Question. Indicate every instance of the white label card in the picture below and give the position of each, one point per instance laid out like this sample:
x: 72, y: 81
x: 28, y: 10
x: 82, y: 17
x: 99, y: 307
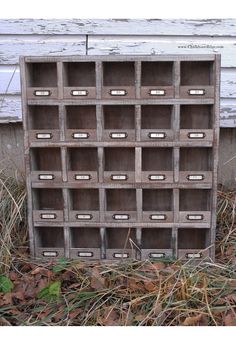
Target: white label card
x: 80, y: 135
x: 158, y: 217
x: 50, y: 253
x: 195, y: 177
x: 156, y: 255
x: 157, y: 177
x: 156, y: 135
x: 195, y: 217
x: 79, y: 92
x: 118, y: 92
x: 196, y: 92
x: 196, y: 135
x: 84, y: 216
x: 119, y: 177
x: 194, y: 255
x: 85, y: 254
x: 121, y: 216
x: 120, y: 255
x: 82, y: 176
x: 118, y: 135
x: 157, y: 92
x: 42, y: 93
x: 43, y: 136
x: 48, y: 216
x: 46, y: 176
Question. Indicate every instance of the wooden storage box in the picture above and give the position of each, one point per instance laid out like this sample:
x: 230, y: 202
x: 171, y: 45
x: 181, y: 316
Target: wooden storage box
x: 121, y: 155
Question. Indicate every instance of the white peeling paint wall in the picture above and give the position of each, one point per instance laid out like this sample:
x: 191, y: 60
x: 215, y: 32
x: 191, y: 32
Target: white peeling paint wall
x: 98, y: 37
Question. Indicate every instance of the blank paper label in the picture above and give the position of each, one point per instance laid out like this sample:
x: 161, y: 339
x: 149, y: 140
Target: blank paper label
x: 193, y: 256
x: 195, y: 177
x: 50, y: 253
x: 118, y: 135
x: 118, y: 92
x: 85, y: 254
x: 120, y: 255
x: 195, y: 217
x: 42, y: 93
x: 80, y: 135
x: 196, y: 92
x: 84, y: 216
x: 158, y: 217
x: 196, y: 135
x: 121, y: 216
x: 119, y: 177
x: 157, y: 92
x: 48, y: 216
x: 45, y: 136
x: 157, y: 177
x: 46, y: 176
x: 156, y: 255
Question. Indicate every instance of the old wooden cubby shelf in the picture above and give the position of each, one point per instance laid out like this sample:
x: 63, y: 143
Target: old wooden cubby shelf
x: 121, y: 155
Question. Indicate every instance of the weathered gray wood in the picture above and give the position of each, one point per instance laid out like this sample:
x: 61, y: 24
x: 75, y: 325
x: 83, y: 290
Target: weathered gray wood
x: 217, y: 27
x: 12, y: 47
x: 142, y: 45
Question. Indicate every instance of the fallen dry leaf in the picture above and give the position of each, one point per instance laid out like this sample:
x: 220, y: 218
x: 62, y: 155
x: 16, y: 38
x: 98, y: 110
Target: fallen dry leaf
x: 193, y: 320
x: 150, y: 286
x: 97, y: 281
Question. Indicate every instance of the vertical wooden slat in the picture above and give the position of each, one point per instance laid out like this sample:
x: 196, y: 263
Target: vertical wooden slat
x: 99, y: 79
x: 138, y: 122
x: 137, y: 79
x: 176, y: 78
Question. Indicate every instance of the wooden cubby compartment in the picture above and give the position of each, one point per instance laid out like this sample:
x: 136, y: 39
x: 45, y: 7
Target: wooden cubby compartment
x: 49, y: 242
x: 43, y: 123
x: 84, y: 205
x: 85, y: 243
x: 195, y: 205
x: 195, y: 164
x: 193, y: 243
x: 48, y: 205
x: 119, y: 164
x: 82, y: 164
x: 156, y: 243
x: 196, y: 79
x: 42, y: 80
x: 119, y: 123
x: 120, y: 243
x: 158, y: 205
x: 196, y: 122
x: 157, y: 79
x: 121, y: 205
x: 118, y: 80
x: 46, y: 164
x: 81, y: 123
x: 157, y: 123
x: 79, y: 80
x: 157, y: 164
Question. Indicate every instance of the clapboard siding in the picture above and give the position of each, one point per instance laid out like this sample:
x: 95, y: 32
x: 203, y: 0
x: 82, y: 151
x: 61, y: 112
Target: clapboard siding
x: 105, y: 45
x: 11, y: 48
x: 102, y: 37
x: 213, y: 27
x: 10, y: 81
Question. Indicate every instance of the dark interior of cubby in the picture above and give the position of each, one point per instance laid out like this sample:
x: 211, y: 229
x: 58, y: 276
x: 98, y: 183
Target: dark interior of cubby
x: 196, y: 73
x: 84, y: 199
x: 196, y: 116
x: 194, y: 200
x: 83, y: 159
x: 42, y: 74
x: 121, y: 199
x: 119, y: 116
x: 156, y: 238
x: 156, y: 117
x: 157, y: 200
x: 46, y: 199
x: 118, y: 74
x: 43, y: 117
x: 119, y: 238
x: 80, y: 74
x: 119, y: 159
x: 50, y: 237
x: 157, y: 73
x: 192, y: 238
x: 157, y: 159
x: 81, y: 117
x: 46, y: 158
x: 85, y: 238
x: 196, y: 159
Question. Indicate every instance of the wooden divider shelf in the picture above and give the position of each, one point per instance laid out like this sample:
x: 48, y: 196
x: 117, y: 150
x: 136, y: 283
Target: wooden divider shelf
x: 121, y: 155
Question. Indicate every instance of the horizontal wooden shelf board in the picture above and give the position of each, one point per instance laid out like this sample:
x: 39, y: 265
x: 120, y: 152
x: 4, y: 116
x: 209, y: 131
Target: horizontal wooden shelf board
x: 121, y: 225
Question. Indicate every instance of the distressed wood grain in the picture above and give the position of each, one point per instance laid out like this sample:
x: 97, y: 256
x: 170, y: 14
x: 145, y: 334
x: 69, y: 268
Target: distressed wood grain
x: 216, y: 27
x: 10, y: 81
x: 110, y: 45
x: 10, y: 110
x: 11, y: 47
